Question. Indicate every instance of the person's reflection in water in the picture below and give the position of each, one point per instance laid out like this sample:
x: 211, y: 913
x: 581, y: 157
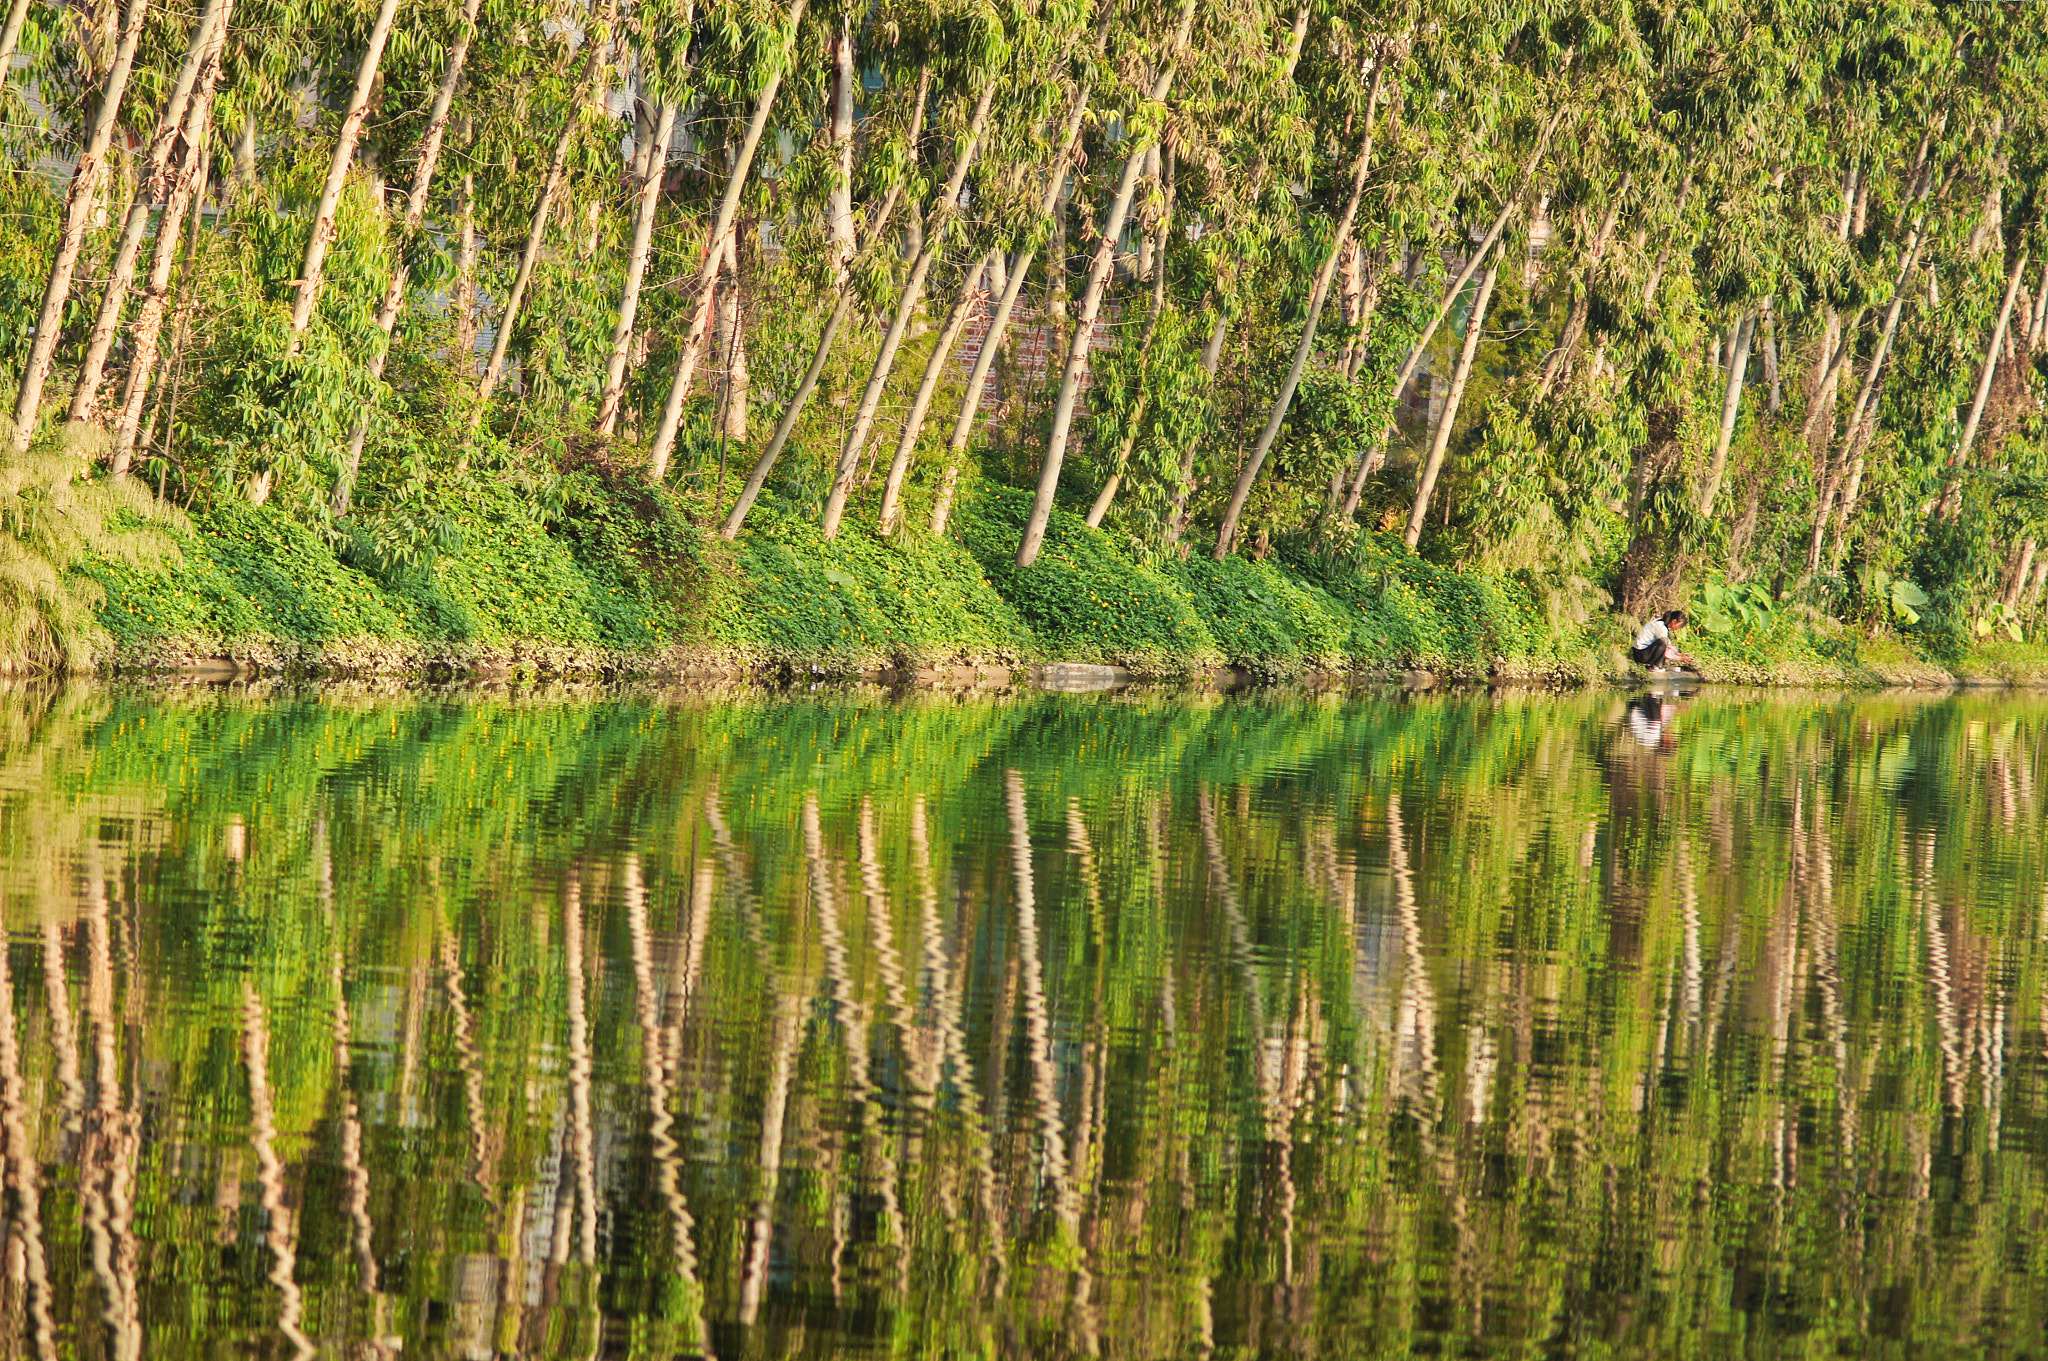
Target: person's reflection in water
x: 1653, y: 721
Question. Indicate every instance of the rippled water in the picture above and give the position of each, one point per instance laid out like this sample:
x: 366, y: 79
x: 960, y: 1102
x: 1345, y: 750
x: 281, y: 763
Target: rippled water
x: 1134, y: 1025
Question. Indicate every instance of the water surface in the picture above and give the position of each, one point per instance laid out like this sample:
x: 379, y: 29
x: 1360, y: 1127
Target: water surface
x: 1140, y: 1025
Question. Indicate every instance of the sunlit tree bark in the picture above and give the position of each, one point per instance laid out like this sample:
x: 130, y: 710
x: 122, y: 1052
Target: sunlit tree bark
x: 1091, y: 304
x: 152, y: 190
x: 415, y: 217
x: 1474, y: 331
x: 312, y: 274
x: 81, y: 202
x: 715, y: 248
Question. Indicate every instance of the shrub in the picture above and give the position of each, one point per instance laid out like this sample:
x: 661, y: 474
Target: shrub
x: 1082, y: 598
x: 1263, y: 618
x: 861, y: 600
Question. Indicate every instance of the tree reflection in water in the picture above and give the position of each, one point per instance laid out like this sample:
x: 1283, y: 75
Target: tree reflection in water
x: 674, y: 1024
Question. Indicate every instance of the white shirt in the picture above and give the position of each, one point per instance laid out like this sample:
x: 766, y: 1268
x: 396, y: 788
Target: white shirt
x: 1652, y: 631
x: 1646, y: 730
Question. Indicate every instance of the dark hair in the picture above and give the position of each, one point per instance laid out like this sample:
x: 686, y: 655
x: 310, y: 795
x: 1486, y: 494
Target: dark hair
x: 1675, y: 618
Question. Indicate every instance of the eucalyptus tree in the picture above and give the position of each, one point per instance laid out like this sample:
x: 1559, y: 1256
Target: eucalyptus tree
x: 10, y: 39
x: 1511, y: 202
x: 186, y: 185
x: 321, y: 236
x: 1319, y: 292
x: 888, y: 517
x: 410, y: 227
x: 1065, y: 146
x: 777, y: 54
x: 81, y: 203
x: 651, y: 167
x: 1237, y: 169
x: 1046, y: 112
x: 1142, y: 134
x: 595, y: 39
x: 1988, y: 369
x: 152, y: 191
x: 895, y: 161
x: 983, y: 71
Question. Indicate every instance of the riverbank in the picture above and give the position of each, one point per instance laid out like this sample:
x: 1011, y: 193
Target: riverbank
x: 604, y: 578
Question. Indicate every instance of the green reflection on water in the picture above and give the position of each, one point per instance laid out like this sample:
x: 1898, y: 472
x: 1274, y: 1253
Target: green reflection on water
x: 1142, y: 1025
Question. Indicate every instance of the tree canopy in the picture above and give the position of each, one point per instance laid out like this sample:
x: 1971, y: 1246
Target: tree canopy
x: 1746, y: 292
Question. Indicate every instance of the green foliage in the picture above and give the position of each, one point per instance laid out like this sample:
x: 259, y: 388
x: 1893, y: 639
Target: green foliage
x: 1772, y: 195
x: 639, y: 538
x: 1896, y: 595
x: 1082, y: 598
x: 1724, y: 608
x: 1999, y: 617
x: 861, y: 601
x: 1408, y: 611
x: 55, y: 528
x: 1264, y: 619
x: 255, y: 576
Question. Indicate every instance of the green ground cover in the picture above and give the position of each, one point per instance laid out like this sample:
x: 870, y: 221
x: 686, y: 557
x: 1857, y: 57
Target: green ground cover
x: 606, y: 573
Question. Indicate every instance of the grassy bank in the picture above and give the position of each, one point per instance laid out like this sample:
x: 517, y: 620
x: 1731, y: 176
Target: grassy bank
x: 601, y: 574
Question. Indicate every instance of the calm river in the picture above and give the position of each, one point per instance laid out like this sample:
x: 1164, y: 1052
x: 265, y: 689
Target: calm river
x: 645, y: 1024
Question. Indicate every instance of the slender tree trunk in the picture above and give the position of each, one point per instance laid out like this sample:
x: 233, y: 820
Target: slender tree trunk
x: 1091, y: 305
x: 999, y: 319
x: 188, y: 286
x: 643, y: 130
x: 636, y: 268
x: 1731, y: 407
x: 10, y: 38
x: 1351, y: 288
x: 2020, y: 573
x: 1582, y: 305
x: 765, y: 464
x: 148, y: 324
x: 1474, y: 327
x: 899, y: 324
x: 1990, y: 217
x: 1050, y: 200
x: 465, y: 277
x: 1819, y: 432
x: 536, y: 232
x: 732, y: 342
x: 839, y: 205
x: 1866, y: 392
x: 2039, y: 326
x: 1368, y: 460
x: 1114, y: 482
x: 1990, y: 371
x: 714, y: 248
x: 1058, y: 260
x: 1770, y: 352
x: 934, y: 368
x: 1319, y: 293
x: 311, y: 273
x: 150, y: 190
x: 81, y: 200
x: 415, y: 215
x: 1823, y: 385
x: 1837, y: 340
x: 1177, y: 514
x: 795, y: 407
x: 1361, y: 330
x: 1846, y: 504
